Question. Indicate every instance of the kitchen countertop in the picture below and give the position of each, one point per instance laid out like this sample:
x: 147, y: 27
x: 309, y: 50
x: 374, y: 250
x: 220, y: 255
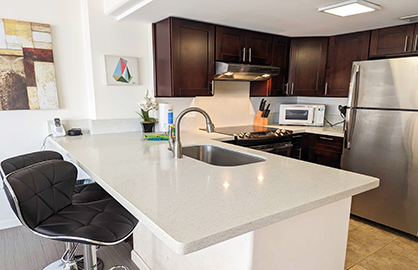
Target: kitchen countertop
x: 190, y: 205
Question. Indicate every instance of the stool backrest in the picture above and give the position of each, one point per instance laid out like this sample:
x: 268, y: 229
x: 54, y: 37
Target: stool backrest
x: 15, y: 163
x: 38, y: 191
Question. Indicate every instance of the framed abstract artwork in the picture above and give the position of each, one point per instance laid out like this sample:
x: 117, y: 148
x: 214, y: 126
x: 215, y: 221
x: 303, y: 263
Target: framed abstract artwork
x: 121, y: 70
x: 27, y: 71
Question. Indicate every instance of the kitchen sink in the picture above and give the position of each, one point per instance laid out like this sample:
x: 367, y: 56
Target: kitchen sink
x: 220, y: 156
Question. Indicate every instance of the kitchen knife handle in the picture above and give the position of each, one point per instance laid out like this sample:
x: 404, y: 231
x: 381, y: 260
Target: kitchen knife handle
x: 243, y: 55
x: 249, y: 55
x: 416, y: 43
x: 406, y: 43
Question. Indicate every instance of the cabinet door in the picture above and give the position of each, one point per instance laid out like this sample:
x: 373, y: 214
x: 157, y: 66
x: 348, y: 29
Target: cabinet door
x: 280, y: 58
x: 392, y: 40
x: 343, y: 50
x: 308, y: 57
x: 415, y: 44
x: 193, y: 54
x: 230, y: 43
x: 300, y: 146
x: 325, y: 150
x: 276, y: 86
x: 258, y: 46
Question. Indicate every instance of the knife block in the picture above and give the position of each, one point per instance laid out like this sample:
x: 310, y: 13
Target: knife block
x: 260, y: 121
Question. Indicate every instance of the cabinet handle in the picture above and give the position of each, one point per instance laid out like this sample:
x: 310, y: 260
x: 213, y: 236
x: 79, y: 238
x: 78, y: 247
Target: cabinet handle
x: 300, y: 153
x: 326, y: 88
x: 326, y: 138
x: 249, y: 55
x: 243, y: 55
x: 287, y: 89
x: 406, y: 43
x: 297, y: 136
x: 213, y: 86
x: 293, y: 88
x: 416, y: 42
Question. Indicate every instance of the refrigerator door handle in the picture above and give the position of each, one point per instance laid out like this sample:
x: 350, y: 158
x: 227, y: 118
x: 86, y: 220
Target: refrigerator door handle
x: 349, y: 127
x: 352, y: 94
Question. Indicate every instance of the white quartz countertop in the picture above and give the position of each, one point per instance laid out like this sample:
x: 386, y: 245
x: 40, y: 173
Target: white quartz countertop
x: 189, y: 204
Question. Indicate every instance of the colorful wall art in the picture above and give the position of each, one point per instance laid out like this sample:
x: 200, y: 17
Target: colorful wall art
x: 27, y: 72
x: 121, y: 70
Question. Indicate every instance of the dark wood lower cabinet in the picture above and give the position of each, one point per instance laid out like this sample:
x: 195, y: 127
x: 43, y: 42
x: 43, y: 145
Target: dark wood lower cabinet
x: 319, y: 149
x: 325, y: 150
x: 300, y: 146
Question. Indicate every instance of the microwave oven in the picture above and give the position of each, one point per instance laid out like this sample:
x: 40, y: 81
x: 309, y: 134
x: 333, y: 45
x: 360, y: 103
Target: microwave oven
x: 302, y: 115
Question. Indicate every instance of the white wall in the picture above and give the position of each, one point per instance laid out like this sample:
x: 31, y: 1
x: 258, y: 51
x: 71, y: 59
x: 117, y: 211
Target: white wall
x: 23, y: 131
x: 110, y: 37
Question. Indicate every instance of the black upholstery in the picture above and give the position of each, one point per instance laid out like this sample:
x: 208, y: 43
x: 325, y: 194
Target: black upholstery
x: 15, y: 163
x: 89, y: 193
x: 82, y: 194
x: 44, y: 199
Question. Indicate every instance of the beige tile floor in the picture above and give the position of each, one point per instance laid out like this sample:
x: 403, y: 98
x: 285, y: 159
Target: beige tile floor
x: 375, y: 247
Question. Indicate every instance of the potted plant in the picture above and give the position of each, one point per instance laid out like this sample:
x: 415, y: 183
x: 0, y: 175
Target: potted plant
x: 147, y: 105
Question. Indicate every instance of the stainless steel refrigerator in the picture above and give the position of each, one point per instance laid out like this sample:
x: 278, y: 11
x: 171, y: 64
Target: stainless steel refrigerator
x: 381, y: 140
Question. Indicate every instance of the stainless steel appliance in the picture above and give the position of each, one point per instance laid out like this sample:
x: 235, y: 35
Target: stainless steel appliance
x: 244, y: 72
x: 271, y: 140
x: 381, y: 140
x: 302, y: 114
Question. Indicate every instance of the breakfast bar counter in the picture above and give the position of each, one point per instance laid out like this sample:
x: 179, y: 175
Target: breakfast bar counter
x: 220, y: 214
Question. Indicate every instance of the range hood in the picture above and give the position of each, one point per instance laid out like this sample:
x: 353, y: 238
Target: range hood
x: 244, y: 72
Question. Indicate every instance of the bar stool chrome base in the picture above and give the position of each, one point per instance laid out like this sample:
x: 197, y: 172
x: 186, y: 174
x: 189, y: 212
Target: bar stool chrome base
x: 60, y: 265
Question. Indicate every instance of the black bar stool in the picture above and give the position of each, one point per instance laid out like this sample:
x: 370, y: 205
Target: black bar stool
x: 83, y: 193
x: 41, y: 197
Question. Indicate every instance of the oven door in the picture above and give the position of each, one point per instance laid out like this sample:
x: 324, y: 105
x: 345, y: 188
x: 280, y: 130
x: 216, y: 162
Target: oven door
x: 296, y: 116
x: 283, y: 149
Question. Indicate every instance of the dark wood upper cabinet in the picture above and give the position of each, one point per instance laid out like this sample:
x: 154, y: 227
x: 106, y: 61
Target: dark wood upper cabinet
x: 184, y: 58
x: 242, y: 46
x: 280, y: 58
x: 308, y: 58
x: 259, y: 48
x: 343, y: 50
x: 276, y: 86
x: 230, y: 43
x: 415, y: 44
x: 392, y: 41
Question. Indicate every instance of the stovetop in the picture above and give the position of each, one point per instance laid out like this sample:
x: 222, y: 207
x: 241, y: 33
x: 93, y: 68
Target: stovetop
x: 254, y: 135
x: 242, y: 129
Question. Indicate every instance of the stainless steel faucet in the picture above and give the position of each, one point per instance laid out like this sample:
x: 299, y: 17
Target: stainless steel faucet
x: 174, y: 140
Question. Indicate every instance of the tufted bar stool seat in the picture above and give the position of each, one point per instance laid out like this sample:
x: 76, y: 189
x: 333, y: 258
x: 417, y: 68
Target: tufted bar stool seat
x: 82, y: 193
x: 41, y: 195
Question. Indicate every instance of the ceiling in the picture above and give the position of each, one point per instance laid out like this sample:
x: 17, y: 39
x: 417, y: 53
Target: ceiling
x: 286, y: 17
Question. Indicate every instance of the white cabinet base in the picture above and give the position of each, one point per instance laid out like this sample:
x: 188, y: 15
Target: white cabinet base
x: 314, y: 240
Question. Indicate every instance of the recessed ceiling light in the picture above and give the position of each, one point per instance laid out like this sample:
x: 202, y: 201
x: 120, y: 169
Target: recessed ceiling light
x: 350, y: 7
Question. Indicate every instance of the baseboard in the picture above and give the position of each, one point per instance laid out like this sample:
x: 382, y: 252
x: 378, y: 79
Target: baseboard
x: 10, y: 223
x: 139, y: 261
